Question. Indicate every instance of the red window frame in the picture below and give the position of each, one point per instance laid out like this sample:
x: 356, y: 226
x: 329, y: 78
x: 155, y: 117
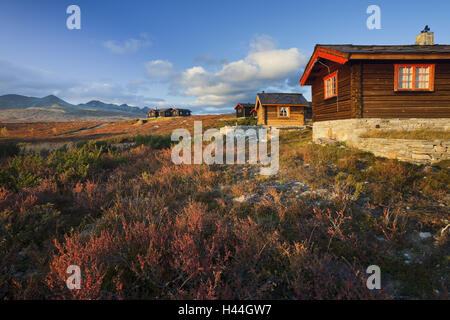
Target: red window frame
x: 333, y: 75
x: 414, y: 72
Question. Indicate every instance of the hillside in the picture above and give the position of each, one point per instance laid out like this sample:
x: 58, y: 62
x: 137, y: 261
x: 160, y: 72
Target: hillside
x: 141, y: 227
x: 59, y: 132
x: 18, y: 108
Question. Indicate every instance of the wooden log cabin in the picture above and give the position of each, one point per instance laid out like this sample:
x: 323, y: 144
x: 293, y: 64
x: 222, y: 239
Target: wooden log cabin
x: 166, y: 112
x: 152, y: 113
x: 177, y: 112
x: 373, y: 81
x: 244, y: 110
x: 281, y: 109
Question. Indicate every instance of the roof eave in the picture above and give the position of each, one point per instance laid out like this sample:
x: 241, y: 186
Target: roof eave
x: 284, y: 104
x: 401, y: 56
x: 325, y: 53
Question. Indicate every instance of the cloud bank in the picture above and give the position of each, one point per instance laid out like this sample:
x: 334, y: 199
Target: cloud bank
x: 210, y: 85
x: 265, y: 67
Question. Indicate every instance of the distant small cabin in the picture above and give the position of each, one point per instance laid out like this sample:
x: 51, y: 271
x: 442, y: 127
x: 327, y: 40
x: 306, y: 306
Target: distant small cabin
x: 282, y: 109
x: 153, y: 113
x: 176, y: 112
x: 244, y: 110
x: 167, y: 112
x: 372, y: 81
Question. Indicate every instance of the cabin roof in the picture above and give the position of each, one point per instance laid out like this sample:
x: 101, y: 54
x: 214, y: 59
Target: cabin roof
x: 296, y: 99
x: 165, y: 109
x: 341, y: 53
x: 179, y: 109
x: 350, y: 48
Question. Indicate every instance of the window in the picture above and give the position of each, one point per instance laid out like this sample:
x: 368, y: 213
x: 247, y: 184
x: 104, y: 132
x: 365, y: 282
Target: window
x: 283, y: 112
x: 414, y: 77
x: 330, y: 85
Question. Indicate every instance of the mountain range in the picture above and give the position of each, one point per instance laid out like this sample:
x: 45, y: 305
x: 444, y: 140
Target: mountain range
x: 18, y: 108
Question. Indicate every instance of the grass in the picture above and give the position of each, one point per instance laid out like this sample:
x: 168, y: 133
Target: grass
x: 402, y: 134
x: 236, y: 121
x: 141, y: 227
x: 126, y: 129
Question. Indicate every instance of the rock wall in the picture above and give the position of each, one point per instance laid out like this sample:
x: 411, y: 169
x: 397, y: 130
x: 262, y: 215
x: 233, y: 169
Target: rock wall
x: 349, y: 130
x: 415, y: 151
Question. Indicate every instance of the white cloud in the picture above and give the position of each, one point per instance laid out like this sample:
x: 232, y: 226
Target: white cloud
x: 128, y: 46
x: 265, y: 66
x: 209, y: 88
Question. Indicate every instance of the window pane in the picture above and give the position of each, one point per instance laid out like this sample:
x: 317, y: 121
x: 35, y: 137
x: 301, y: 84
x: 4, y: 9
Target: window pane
x: 330, y: 87
x: 333, y: 86
x: 422, y: 77
x: 283, y: 112
x: 405, y: 77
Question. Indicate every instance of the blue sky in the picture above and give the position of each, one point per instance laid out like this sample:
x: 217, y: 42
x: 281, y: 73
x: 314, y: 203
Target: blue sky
x: 205, y: 55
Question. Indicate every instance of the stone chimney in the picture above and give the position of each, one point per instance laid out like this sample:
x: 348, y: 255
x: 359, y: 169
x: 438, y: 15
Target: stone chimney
x: 425, y: 38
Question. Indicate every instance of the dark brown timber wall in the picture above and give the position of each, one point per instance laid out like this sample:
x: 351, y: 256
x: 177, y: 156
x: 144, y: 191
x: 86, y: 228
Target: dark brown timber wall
x: 379, y: 100
x: 366, y: 89
x: 333, y: 108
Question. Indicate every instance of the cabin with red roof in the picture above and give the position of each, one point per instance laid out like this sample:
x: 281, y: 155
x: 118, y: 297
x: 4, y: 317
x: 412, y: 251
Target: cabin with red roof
x: 369, y: 81
x: 152, y: 113
x: 244, y: 110
x: 359, y: 88
x: 178, y: 112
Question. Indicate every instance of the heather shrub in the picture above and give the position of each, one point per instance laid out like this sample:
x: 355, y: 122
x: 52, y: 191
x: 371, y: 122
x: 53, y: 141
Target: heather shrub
x: 32, y: 226
x: 435, y: 184
x: 392, y: 179
x: 141, y: 227
x: 396, y: 175
x: 346, y: 188
x: 325, y: 277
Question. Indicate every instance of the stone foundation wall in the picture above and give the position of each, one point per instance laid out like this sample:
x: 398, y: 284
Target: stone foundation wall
x: 349, y: 130
x: 415, y: 151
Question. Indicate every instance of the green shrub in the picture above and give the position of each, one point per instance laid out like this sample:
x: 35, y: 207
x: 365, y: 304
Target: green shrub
x: 154, y: 141
x: 247, y: 121
x: 233, y: 122
x: 76, y: 164
x: 23, y: 171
